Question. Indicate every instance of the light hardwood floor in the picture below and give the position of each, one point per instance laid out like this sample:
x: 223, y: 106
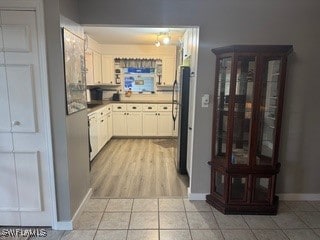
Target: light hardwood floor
x: 132, y: 168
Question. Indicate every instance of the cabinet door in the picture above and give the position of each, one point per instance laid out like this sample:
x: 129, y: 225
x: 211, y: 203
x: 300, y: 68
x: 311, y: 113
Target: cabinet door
x: 119, y: 123
x: 109, y: 120
x: 94, y: 137
x: 185, y: 44
x: 134, y: 123
x: 89, y: 67
x: 103, y: 131
x: 149, y: 120
x: 165, y: 124
x: 97, y: 68
x: 107, y: 70
x: 168, y: 71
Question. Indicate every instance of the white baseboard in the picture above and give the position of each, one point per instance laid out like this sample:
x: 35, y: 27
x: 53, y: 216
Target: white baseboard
x: 62, y: 226
x: 299, y: 196
x: 81, y: 207
x: 196, y: 196
x: 69, y: 225
x: 282, y: 196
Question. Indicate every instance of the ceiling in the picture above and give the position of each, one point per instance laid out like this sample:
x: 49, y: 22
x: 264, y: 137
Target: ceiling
x: 132, y: 35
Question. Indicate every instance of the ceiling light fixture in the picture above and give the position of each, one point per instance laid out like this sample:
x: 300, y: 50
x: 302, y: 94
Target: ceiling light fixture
x: 167, y: 38
x: 157, y: 43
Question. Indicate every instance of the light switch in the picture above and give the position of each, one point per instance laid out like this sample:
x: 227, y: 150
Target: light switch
x: 205, y: 100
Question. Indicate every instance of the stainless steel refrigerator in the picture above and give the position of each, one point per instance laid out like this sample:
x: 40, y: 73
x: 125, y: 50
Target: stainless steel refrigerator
x: 180, y: 110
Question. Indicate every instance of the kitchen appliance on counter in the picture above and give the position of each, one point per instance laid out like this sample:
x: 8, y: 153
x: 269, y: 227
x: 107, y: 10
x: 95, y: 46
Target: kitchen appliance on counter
x: 180, y: 107
x: 116, y: 96
x: 94, y: 97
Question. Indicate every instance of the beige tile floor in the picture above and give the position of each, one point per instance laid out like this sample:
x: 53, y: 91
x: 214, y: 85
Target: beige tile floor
x: 181, y: 219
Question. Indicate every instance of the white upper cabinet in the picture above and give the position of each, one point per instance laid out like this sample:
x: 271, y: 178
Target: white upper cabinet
x: 97, y: 71
x: 89, y: 67
x: 107, y: 69
x: 168, y: 70
x: 187, y: 43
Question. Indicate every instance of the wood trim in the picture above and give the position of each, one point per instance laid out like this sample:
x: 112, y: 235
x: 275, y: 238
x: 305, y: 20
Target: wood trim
x: 285, y: 49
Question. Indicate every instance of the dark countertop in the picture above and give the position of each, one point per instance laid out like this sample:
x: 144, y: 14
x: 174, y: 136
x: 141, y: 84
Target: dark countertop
x: 107, y: 102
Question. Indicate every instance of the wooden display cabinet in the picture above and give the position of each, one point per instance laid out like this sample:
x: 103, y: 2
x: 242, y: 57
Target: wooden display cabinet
x: 248, y: 103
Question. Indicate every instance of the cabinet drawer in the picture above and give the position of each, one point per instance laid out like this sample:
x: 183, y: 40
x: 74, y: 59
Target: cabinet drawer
x: 164, y: 107
x: 150, y: 107
x: 119, y: 107
x: 103, y: 111
x: 134, y: 107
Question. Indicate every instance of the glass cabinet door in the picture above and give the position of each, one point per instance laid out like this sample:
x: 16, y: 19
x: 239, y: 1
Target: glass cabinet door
x: 243, y: 99
x: 222, y: 106
x: 268, y: 112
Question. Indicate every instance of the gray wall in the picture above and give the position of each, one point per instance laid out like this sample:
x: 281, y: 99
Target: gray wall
x: 57, y: 105
x: 69, y: 9
x: 69, y: 133
x: 243, y: 22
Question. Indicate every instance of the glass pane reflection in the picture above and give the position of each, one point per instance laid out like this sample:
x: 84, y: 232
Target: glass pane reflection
x: 246, y: 67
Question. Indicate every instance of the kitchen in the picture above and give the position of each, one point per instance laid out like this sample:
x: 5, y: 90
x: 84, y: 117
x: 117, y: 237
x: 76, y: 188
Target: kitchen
x: 138, y: 124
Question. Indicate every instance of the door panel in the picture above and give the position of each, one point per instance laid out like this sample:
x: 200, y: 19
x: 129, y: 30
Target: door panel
x: 5, y: 125
x: 8, y: 184
x: 16, y: 38
x: 27, y: 141
x: 1, y: 41
x: 22, y: 98
x: 27, y: 168
x: 6, y: 142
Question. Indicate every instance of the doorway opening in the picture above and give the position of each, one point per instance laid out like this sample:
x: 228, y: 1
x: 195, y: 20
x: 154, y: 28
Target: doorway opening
x: 141, y: 93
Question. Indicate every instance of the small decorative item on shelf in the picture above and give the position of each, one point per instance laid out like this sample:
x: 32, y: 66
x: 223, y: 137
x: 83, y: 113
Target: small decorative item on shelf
x: 128, y: 93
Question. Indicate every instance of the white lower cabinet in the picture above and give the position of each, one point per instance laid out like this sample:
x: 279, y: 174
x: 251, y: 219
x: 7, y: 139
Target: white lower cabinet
x: 127, y: 120
x: 150, y: 127
x: 100, y: 127
x: 110, y: 126
x: 134, y: 124
x: 119, y: 123
x: 165, y: 124
x: 93, y: 129
x: 157, y: 120
x: 103, y: 131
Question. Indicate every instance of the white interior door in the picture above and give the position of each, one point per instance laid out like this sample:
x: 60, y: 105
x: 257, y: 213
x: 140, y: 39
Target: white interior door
x: 24, y: 165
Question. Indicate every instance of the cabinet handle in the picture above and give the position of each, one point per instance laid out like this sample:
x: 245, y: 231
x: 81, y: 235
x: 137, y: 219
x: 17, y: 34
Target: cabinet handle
x: 124, y: 114
x: 119, y: 107
x: 149, y: 107
x: 16, y: 123
x: 101, y: 121
x: 134, y: 107
x: 165, y: 107
x: 158, y: 114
